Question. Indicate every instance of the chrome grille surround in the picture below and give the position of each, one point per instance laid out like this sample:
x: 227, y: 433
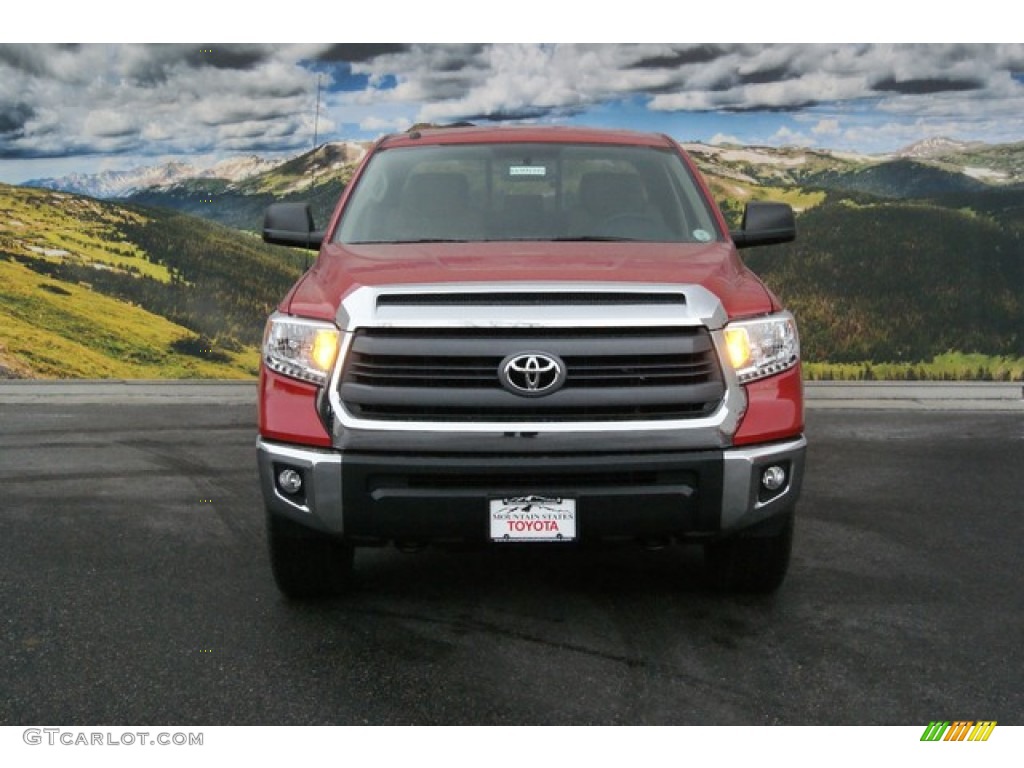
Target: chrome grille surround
x: 617, y: 351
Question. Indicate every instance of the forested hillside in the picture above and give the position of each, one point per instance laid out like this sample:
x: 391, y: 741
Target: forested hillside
x: 93, y: 289
x: 901, y: 281
x: 241, y: 209
x: 317, y: 177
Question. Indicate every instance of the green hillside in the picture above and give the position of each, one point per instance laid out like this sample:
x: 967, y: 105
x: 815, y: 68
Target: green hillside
x: 1003, y: 160
x: 897, y: 179
x: 930, y: 171
x: 90, y: 289
x: 900, y: 281
x: 909, y: 262
x: 214, y: 200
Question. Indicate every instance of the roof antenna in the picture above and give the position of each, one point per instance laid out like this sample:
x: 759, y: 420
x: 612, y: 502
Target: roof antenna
x: 312, y: 157
x: 316, y: 127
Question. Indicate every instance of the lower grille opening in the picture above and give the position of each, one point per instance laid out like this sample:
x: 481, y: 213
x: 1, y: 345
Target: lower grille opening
x: 523, y: 482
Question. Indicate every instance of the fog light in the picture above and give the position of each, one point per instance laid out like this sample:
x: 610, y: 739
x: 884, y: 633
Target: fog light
x: 773, y: 478
x: 289, y: 481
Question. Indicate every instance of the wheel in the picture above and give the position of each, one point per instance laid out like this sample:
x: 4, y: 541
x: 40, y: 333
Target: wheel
x: 307, y: 564
x: 754, y: 563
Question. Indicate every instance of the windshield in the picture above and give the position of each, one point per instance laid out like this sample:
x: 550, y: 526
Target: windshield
x: 474, y: 193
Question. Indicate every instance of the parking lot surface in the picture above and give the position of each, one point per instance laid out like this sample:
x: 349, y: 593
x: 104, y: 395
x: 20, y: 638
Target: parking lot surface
x: 136, y: 590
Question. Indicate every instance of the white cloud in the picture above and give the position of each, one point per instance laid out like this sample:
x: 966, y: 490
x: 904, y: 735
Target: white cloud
x: 789, y: 138
x: 828, y: 127
x: 167, y: 99
x: 106, y: 123
x: 375, y: 124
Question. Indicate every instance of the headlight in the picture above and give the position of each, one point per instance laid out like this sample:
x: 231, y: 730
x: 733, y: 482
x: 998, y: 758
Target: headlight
x: 763, y: 347
x: 302, y: 349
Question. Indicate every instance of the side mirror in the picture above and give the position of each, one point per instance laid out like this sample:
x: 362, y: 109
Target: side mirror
x: 291, y: 224
x: 765, y: 224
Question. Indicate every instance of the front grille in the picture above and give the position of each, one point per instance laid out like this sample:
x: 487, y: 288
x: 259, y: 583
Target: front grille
x: 451, y: 374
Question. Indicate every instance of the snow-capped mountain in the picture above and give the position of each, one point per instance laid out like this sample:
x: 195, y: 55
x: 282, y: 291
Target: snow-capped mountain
x: 114, y: 184
x: 108, y: 184
x: 935, y: 146
x: 235, y: 169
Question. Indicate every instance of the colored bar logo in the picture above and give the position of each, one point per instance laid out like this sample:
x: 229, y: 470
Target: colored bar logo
x: 960, y: 730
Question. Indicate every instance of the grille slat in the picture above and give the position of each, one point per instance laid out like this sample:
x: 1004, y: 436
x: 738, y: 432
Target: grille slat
x: 532, y: 298
x: 418, y: 344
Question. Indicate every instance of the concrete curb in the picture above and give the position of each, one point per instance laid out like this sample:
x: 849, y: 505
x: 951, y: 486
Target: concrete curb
x: 923, y: 395
x: 128, y: 392
x: 860, y: 395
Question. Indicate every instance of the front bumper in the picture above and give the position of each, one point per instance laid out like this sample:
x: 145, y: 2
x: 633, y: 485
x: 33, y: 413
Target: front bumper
x: 376, y: 497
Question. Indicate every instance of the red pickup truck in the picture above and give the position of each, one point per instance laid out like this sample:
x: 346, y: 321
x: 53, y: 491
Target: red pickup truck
x: 529, y: 336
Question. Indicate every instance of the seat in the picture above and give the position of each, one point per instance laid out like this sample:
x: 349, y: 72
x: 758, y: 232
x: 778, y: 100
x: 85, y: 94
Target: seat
x: 606, y: 193
x: 522, y: 217
x: 603, y: 196
x: 436, y: 206
x: 615, y: 205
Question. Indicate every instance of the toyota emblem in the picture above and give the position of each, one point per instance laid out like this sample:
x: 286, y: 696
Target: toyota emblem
x: 532, y: 374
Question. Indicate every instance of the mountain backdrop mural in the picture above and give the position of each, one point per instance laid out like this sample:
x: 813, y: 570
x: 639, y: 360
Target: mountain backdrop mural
x: 133, y: 180
x: 910, y: 259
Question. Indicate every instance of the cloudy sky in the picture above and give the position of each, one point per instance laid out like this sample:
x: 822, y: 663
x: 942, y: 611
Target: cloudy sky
x: 84, y: 108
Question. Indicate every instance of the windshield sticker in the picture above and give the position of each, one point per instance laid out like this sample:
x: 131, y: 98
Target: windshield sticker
x: 528, y: 170
x: 702, y: 235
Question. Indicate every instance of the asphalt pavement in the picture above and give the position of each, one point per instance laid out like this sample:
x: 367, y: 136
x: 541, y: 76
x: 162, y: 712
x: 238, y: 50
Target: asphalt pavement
x: 136, y: 590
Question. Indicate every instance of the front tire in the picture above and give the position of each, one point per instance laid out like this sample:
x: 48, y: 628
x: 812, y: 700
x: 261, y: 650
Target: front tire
x: 754, y: 563
x: 307, y: 564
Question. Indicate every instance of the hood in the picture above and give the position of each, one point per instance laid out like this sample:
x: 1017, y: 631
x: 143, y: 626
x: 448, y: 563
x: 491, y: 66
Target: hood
x: 341, y: 269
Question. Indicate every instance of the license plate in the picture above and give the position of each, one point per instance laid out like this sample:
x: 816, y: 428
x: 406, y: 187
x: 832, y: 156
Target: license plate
x: 533, y: 518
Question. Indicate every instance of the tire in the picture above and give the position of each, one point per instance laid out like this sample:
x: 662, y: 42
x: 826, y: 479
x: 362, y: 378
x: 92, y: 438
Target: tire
x: 307, y: 564
x: 755, y: 563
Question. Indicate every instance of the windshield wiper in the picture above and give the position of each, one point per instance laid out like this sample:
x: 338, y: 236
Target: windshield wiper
x: 595, y: 239
x: 572, y: 239
x: 412, y: 241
